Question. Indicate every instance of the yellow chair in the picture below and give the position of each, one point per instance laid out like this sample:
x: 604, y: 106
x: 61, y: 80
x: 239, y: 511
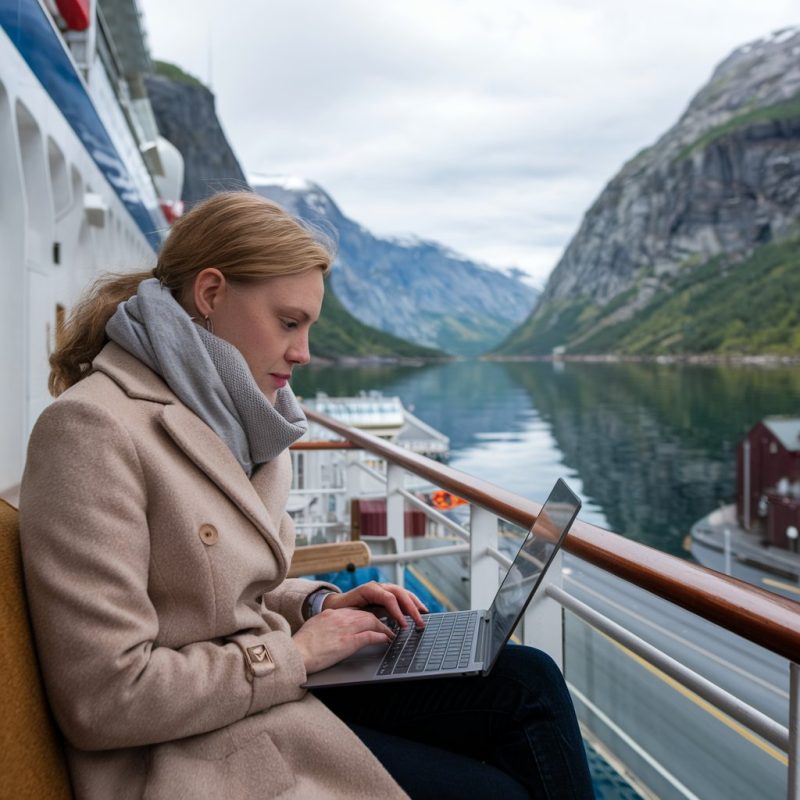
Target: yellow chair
x: 33, y: 758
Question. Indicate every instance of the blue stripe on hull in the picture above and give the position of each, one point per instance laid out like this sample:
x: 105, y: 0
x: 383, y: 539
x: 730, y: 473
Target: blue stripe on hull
x: 27, y: 25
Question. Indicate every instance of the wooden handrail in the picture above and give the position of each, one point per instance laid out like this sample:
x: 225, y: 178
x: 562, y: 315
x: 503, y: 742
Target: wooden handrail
x: 314, y: 559
x: 324, y: 445
x: 766, y: 619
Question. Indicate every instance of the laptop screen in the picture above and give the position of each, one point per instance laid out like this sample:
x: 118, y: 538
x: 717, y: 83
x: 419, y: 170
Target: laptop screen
x: 530, y: 565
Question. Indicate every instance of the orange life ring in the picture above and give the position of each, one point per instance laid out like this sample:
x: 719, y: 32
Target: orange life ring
x: 444, y: 501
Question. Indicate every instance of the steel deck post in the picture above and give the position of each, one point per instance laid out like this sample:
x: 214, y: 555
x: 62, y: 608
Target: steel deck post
x: 395, y: 515
x: 483, y: 573
x: 544, y: 618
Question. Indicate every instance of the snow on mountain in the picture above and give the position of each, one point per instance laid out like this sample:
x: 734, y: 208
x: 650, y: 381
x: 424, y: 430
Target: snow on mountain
x: 413, y: 288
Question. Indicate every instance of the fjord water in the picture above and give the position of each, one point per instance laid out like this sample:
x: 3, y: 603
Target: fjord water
x: 649, y: 447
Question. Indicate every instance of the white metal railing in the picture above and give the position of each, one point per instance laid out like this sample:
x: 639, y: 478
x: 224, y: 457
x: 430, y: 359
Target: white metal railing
x: 543, y: 621
x: 419, y: 555
x: 319, y: 492
x: 754, y: 719
x: 436, y: 515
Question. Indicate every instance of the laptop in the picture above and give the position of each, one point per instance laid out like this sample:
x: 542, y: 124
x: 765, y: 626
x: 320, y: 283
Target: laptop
x: 464, y: 642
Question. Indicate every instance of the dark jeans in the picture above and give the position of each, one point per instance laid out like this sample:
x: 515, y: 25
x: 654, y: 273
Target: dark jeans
x: 510, y: 735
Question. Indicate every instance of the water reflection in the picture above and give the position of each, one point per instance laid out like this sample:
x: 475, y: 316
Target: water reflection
x: 463, y: 399
x: 649, y: 447
x: 655, y: 444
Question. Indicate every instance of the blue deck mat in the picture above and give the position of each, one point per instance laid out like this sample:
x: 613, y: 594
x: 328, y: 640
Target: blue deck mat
x: 608, y: 784
x: 349, y: 580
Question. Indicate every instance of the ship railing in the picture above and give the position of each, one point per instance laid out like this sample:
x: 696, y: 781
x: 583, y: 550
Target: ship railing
x: 762, y: 618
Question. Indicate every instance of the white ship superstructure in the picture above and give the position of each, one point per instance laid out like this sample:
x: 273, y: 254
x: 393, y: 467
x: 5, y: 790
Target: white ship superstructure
x: 82, y: 181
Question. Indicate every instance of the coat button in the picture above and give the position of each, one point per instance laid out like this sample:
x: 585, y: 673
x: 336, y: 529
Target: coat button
x: 208, y: 534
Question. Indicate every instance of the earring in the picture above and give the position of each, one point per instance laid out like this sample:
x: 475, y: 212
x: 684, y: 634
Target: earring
x: 209, y: 324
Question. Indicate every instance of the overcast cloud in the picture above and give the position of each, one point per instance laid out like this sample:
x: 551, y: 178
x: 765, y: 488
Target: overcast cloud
x: 488, y: 128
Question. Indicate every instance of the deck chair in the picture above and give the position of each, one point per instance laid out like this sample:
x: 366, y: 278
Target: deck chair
x: 33, y: 757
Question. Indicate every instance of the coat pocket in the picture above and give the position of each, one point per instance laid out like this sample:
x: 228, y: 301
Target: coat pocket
x: 225, y: 764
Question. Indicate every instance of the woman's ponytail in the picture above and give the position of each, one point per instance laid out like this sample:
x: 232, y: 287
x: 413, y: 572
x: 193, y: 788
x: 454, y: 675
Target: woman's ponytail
x: 84, y: 334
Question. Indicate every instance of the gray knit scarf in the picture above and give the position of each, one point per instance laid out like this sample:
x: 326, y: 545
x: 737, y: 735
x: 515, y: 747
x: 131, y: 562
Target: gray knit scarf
x: 208, y: 374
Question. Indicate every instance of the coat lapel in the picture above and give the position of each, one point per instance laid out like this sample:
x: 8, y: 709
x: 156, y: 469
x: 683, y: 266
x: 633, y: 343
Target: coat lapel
x: 205, y: 449
x: 210, y: 454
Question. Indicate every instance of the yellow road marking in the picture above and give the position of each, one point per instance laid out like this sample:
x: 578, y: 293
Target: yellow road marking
x: 705, y: 705
x: 443, y: 599
x: 781, y: 585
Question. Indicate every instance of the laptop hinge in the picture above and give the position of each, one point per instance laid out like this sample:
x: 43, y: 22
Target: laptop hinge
x: 483, y: 639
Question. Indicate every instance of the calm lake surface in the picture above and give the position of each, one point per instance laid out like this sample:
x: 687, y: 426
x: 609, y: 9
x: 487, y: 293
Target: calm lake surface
x: 649, y: 447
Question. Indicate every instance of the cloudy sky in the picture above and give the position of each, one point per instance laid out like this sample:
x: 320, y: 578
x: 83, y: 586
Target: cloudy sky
x: 488, y: 127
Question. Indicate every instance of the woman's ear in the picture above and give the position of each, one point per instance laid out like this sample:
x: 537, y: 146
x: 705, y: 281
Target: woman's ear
x: 208, y: 291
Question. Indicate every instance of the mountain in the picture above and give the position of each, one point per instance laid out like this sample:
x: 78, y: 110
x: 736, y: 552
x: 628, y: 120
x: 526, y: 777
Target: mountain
x: 339, y: 334
x: 692, y: 247
x: 415, y: 289
x: 186, y: 115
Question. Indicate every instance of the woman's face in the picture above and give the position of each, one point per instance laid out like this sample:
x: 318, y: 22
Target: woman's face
x: 268, y: 321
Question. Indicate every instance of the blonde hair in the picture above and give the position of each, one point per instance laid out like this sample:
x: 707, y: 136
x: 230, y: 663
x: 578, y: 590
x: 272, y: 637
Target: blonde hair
x: 244, y: 236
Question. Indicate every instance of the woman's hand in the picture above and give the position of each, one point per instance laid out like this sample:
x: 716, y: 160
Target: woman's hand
x: 397, y: 601
x: 331, y: 636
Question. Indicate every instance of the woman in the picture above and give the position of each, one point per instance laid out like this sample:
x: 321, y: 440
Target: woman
x: 156, y: 544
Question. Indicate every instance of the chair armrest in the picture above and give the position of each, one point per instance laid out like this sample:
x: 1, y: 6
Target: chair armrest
x: 316, y: 558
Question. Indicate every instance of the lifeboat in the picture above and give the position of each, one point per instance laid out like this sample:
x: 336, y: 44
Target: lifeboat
x: 75, y: 13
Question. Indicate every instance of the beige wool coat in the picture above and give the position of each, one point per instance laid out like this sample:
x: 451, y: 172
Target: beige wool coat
x: 155, y: 571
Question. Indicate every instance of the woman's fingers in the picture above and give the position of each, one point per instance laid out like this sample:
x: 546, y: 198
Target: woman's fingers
x: 337, y: 633
x: 407, y: 604
x: 412, y: 606
x: 401, y: 591
x: 390, y: 597
x: 366, y: 638
x: 375, y: 624
x: 397, y: 601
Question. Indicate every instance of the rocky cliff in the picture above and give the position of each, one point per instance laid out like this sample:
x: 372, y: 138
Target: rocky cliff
x: 415, y: 289
x: 186, y: 115
x: 713, y: 198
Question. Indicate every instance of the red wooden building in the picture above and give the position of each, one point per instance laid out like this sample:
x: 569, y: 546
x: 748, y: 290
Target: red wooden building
x: 768, y: 481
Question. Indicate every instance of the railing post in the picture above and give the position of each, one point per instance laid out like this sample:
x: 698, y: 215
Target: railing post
x: 395, y: 515
x: 352, y: 484
x: 483, y: 571
x: 352, y: 475
x: 544, y: 620
x: 340, y: 505
x: 793, y: 778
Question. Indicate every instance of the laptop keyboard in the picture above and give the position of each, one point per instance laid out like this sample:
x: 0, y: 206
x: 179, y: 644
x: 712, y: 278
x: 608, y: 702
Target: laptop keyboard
x: 445, y: 643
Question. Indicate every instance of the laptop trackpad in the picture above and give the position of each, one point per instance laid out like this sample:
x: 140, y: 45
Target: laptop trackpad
x: 358, y: 668
x: 371, y: 651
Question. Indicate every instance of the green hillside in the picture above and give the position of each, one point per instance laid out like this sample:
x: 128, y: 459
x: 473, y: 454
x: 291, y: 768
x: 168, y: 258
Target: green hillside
x: 778, y: 112
x: 338, y: 334
x: 721, y: 307
x: 468, y: 334
x: 175, y: 73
